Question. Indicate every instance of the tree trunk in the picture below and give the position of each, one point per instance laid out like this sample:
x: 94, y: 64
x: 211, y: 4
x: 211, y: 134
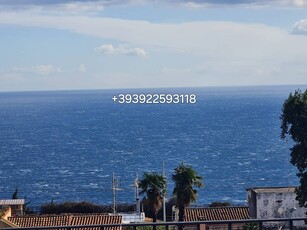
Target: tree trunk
x: 154, y: 219
x: 181, y: 216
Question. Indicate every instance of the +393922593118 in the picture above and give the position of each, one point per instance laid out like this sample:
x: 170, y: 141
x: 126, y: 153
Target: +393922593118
x: 155, y: 98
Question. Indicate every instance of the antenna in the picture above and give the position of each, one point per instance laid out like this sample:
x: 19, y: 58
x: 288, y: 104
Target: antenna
x: 137, y: 200
x: 114, y: 184
x: 164, y: 195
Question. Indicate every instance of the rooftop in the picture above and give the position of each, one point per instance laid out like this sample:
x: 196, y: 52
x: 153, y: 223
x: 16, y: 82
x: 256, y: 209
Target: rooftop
x: 273, y: 189
x: 12, y: 202
x: 218, y: 213
x: 65, y: 220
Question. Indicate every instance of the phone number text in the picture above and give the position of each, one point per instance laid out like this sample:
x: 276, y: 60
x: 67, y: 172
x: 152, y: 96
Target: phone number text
x: 155, y: 98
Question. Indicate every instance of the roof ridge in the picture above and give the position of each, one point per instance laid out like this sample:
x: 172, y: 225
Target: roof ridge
x: 218, y: 207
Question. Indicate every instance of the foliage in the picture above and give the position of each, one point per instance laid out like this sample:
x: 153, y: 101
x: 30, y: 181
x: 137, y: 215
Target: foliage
x: 153, y: 186
x: 82, y: 207
x: 15, y: 194
x: 185, y: 178
x: 251, y: 226
x: 294, y: 125
x: 219, y: 204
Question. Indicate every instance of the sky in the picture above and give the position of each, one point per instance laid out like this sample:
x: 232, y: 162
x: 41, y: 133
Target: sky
x: 107, y: 44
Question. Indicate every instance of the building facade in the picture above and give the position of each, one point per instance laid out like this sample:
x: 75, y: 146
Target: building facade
x: 16, y: 205
x: 275, y: 202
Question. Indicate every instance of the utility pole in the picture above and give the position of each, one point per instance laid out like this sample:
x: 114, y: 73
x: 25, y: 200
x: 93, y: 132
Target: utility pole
x: 137, y: 200
x: 114, y: 193
x: 164, y: 195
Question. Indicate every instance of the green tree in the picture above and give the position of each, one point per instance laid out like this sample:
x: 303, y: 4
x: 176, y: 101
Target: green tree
x: 219, y: 204
x: 251, y: 226
x: 185, y: 178
x: 294, y: 125
x: 15, y: 194
x: 153, y: 185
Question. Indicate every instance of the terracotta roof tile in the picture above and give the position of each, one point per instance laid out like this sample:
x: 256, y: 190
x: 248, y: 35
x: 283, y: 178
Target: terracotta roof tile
x: 220, y: 213
x: 65, y: 220
x: 96, y: 220
x: 39, y: 221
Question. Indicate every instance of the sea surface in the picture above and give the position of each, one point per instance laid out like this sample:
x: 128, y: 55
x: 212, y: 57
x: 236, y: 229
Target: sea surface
x: 65, y: 145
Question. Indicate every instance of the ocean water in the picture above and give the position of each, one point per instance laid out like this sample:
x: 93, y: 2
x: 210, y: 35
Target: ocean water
x: 65, y: 145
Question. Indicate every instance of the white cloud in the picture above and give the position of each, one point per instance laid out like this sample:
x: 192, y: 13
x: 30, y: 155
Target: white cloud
x: 81, y: 6
x: 106, y: 49
x: 299, y: 2
x: 98, y: 5
x: 122, y: 49
x: 57, y: 7
x: 228, y: 3
x: 300, y: 27
x: 46, y: 69
x: 224, y: 53
x: 82, y: 68
x: 39, y: 69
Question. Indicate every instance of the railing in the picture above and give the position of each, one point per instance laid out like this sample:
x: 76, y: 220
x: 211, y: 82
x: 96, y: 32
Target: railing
x: 279, y: 223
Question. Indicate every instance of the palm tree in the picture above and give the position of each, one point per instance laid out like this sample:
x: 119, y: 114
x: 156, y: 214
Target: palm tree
x: 154, y: 186
x: 185, y: 177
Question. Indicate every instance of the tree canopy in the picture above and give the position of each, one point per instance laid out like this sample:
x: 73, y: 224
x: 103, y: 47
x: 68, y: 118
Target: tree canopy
x: 294, y: 125
x: 185, y: 178
x: 153, y: 186
x: 15, y: 194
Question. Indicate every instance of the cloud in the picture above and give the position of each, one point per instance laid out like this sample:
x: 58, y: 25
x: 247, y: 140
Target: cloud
x: 248, y: 3
x: 215, y: 52
x: 300, y: 27
x: 54, y: 7
x: 77, y: 7
x: 39, y: 69
x: 98, y: 5
x: 122, y: 50
x: 299, y: 2
x: 46, y: 69
x: 106, y: 49
x: 82, y: 68
x: 245, y: 2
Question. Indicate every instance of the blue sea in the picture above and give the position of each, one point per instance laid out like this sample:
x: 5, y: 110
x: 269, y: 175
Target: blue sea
x: 65, y: 145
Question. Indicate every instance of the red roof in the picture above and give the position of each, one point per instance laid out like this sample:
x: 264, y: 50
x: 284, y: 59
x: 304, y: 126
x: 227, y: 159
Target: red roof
x: 219, y: 213
x: 66, y: 220
x: 40, y: 221
x: 96, y: 220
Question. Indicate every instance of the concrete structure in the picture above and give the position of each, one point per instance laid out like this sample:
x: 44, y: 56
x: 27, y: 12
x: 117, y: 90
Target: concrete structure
x: 133, y: 217
x: 16, y: 205
x: 4, y: 222
x: 275, y: 202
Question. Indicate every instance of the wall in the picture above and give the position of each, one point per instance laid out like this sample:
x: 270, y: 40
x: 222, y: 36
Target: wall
x: 4, y: 225
x: 279, y: 205
x: 235, y: 226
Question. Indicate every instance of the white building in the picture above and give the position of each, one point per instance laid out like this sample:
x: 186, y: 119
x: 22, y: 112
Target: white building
x: 132, y: 217
x: 275, y: 202
x: 16, y: 205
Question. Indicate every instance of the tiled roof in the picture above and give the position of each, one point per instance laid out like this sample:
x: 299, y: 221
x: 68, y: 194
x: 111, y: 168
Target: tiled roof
x: 40, y: 221
x: 96, y: 220
x: 219, y: 213
x: 65, y: 220
x: 12, y: 202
